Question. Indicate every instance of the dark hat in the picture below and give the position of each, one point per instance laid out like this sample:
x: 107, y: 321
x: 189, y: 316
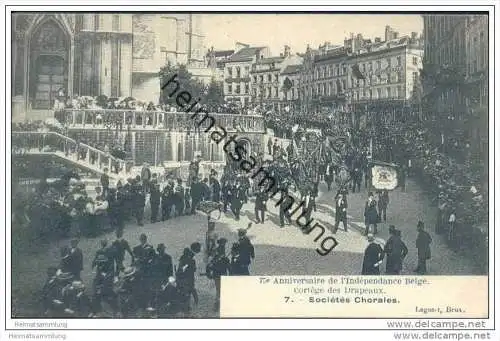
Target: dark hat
x: 392, y: 228
x: 160, y: 246
x: 242, y: 232
x: 420, y: 224
x: 129, y: 272
x: 222, y: 241
x: 196, y: 247
x: 370, y: 194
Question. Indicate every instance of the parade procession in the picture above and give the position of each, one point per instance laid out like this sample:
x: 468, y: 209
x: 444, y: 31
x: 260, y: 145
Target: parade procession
x: 335, y: 160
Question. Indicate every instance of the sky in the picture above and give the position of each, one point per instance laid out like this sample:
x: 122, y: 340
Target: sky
x: 222, y: 31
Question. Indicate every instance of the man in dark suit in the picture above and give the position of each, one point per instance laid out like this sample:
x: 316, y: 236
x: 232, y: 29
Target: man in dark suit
x: 423, y: 244
x: 197, y: 190
x: 260, y: 205
x: 75, y: 259
x: 374, y: 254
x: 371, y: 214
x: 167, y: 200
x: 340, y: 212
x: 163, y: 266
x: 105, y: 182
x: 215, y: 187
x: 396, y: 251
x: 237, y: 198
x: 144, y: 253
x: 154, y: 200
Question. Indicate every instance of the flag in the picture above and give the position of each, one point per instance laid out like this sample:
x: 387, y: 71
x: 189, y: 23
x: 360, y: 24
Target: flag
x: 356, y: 72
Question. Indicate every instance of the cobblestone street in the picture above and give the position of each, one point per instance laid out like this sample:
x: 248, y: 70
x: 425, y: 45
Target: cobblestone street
x: 279, y: 251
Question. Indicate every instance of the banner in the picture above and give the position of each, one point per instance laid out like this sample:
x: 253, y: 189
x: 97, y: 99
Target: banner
x: 384, y: 177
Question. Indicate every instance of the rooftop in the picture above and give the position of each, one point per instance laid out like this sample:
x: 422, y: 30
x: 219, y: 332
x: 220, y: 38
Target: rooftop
x: 290, y: 69
x: 245, y: 54
x: 223, y: 53
x: 271, y: 60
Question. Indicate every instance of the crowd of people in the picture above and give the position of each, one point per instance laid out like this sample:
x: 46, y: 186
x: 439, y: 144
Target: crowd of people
x: 152, y: 286
x: 454, y: 179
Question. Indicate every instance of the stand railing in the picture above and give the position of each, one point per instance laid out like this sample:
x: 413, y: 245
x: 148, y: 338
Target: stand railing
x: 120, y: 119
x: 51, y: 142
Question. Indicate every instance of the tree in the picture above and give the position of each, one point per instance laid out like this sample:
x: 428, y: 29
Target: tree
x: 186, y: 83
x: 214, y: 93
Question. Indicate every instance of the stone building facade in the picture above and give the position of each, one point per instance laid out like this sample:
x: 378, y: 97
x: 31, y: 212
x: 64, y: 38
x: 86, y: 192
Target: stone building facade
x: 362, y: 75
x: 92, y: 54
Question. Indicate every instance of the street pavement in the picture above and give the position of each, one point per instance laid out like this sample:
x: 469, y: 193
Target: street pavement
x: 279, y: 251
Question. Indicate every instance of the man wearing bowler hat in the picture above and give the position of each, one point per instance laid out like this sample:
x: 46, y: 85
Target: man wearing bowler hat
x: 374, y: 254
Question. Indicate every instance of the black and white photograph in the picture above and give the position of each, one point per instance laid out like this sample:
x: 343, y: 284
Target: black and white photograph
x: 154, y: 153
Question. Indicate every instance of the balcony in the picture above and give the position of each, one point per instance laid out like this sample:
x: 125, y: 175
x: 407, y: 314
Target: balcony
x: 154, y: 120
x: 237, y: 80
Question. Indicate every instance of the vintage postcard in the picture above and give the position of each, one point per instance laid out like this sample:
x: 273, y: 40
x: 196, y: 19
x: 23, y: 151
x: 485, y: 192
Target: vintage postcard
x: 181, y: 163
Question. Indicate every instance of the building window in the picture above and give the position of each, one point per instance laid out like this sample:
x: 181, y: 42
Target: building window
x: 276, y: 92
x: 238, y: 72
x: 400, y: 92
x: 379, y: 65
x: 247, y: 88
x: 379, y: 93
x: 388, y: 62
x: 344, y: 84
x: 269, y: 78
x: 238, y: 89
x: 415, y: 60
x: 415, y: 77
x: 116, y: 22
x: 399, y: 60
x: 370, y: 93
x: 247, y: 70
x: 261, y: 78
x: 230, y: 71
x: 276, y: 78
x: 255, y: 79
x: 229, y: 89
x: 389, y: 95
x: 336, y: 71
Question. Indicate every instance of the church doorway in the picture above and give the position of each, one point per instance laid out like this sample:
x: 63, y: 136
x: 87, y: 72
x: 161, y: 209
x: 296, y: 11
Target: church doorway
x: 48, y: 73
